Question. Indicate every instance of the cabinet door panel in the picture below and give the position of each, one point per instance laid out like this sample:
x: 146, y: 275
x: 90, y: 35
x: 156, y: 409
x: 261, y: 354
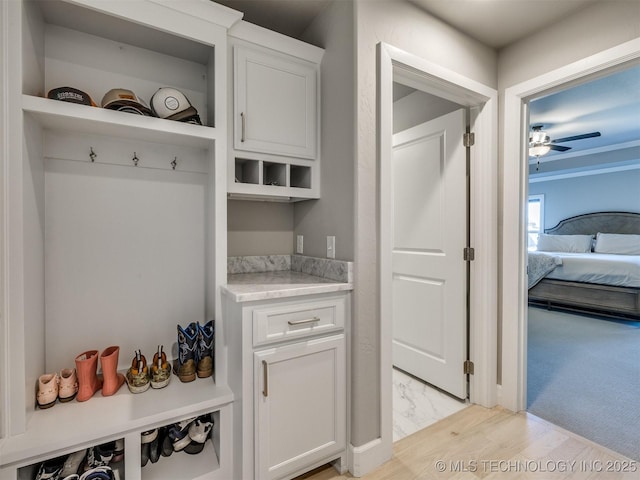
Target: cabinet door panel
x: 275, y: 104
x: 300, y: 405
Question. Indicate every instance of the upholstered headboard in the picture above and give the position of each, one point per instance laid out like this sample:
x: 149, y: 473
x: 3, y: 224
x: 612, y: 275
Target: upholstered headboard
x: 592, y: 223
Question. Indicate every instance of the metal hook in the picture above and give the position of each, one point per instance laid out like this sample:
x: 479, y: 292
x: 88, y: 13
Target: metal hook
x: 92, y: 155
x: 135, y: 159
x: 174, y: 163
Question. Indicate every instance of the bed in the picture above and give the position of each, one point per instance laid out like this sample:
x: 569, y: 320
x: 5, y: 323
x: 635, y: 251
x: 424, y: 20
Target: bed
x: 591, y: 282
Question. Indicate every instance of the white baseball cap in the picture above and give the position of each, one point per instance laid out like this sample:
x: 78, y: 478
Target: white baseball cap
x: 172, y: 104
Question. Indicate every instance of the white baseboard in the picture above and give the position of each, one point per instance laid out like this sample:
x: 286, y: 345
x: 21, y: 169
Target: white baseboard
x: 367, y: 457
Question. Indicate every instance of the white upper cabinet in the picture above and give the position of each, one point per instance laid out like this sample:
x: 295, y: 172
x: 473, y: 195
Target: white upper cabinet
x: 275, y: 103
x: 274, y: 116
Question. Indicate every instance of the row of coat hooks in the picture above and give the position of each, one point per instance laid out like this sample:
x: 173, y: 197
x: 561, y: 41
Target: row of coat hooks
x: 93, y: 155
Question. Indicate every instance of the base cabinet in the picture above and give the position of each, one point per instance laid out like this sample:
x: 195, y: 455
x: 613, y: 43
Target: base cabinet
x: 288, y: 376
x: 299, y: 405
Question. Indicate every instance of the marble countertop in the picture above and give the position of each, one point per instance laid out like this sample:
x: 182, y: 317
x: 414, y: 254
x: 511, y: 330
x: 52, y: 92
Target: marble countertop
x: 247, y: 287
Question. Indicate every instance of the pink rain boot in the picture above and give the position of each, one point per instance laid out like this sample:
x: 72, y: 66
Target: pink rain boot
x: 86, y: 369
x: 111, y: 379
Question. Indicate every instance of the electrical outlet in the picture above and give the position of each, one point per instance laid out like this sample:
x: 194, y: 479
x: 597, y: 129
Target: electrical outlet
x: 299, y: 244
x: 331, y: 247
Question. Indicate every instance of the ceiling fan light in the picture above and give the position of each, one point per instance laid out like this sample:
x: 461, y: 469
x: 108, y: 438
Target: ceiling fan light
x: 538, y: 150
x: 538, y: 136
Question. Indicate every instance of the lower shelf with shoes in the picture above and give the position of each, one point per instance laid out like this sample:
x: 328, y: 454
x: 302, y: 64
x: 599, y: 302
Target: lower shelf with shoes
x: 189, y: 445
x: 196, y: 447
x: 100, y: 462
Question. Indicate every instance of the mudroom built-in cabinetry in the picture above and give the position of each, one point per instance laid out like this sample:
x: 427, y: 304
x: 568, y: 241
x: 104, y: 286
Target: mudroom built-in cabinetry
x: 115, y: 234
x: 116, y: 224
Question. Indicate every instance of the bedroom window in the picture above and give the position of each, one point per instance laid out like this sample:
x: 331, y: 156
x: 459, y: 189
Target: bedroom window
x: 535, y: 220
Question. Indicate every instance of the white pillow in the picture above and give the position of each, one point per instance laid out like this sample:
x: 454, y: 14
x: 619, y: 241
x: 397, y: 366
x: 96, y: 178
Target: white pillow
x: 623, y: 244
x: 564, y: 243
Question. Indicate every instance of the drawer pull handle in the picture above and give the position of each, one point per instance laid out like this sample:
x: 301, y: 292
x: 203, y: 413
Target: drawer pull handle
x: 242, y: 120
x: 265, y: 378
x: 302, y: 322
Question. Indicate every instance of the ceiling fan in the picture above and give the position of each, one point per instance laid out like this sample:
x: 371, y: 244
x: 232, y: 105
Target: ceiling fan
x: 540, y: 143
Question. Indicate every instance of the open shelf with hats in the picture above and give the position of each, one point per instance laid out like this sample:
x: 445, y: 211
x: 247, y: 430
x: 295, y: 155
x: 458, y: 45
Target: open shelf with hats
x: 274, y: 116
x: 116, y: 220
x: 56, y: 115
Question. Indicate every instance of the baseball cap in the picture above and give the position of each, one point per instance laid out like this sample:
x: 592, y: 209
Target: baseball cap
x: 172, y: 104
x: 70, y: 94
x: 125, y: 101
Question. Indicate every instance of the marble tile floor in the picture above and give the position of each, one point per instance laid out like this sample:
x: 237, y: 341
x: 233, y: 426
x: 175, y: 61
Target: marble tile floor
x: 417, y: 404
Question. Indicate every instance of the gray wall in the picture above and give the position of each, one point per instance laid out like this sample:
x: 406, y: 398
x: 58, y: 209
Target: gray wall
x: 610, y: 192
x: 259, y: 228
x: 333, y: 213
x: 405, y: 26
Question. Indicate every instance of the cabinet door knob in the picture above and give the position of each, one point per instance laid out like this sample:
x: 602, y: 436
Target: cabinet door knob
x: 265, y: 378
x: 242, y: 123
x: 302, y: 322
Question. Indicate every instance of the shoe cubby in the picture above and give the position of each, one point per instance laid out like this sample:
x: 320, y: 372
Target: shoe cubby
x: 247, y: 171
x: 205, y: 461
x: 116, y: 219
x: 108, y: 458
x: 300, y: 176
x: 275, y: 174
x: 268, y: 179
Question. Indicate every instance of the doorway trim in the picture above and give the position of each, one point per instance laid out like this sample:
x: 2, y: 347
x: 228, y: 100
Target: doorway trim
x: 395, y: 64
x: 513, y: 394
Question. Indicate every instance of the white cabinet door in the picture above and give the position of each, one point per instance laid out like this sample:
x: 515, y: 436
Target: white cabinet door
x: 300, y: 405
x: 275, y: 104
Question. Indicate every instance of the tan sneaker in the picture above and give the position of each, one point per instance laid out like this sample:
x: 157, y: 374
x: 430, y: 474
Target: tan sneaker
x: 160, y: 369
x: 138, y: 374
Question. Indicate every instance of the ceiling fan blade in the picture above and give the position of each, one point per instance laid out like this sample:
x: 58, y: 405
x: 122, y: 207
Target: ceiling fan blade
x: 559, y: 148
x: 576, y: 137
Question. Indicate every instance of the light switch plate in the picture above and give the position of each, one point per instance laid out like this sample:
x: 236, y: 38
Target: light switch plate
x: 331, y: 247
x: 299, y: 244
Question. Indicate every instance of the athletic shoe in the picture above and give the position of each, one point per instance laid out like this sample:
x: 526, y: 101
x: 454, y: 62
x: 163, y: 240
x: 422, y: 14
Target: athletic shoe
x: 199, y: 432
x: 179, y: 434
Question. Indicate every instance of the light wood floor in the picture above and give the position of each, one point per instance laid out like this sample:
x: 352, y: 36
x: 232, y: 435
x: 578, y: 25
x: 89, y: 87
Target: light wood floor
x: 495, y: 443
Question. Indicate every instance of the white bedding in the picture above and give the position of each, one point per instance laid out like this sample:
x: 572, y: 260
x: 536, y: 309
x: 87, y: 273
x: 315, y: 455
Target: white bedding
x: 601, y: 268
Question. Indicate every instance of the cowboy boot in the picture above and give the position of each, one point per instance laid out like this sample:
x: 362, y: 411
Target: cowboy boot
x: 205, y: 349
x: 185, y: 365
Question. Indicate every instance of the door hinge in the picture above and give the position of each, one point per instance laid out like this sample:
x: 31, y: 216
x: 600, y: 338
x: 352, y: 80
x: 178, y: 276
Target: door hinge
x: 469, y: 254
x: 468, y: 367
x: 468, y: 139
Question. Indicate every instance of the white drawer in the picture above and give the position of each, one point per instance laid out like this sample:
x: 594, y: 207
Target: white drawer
x: 278, y: 323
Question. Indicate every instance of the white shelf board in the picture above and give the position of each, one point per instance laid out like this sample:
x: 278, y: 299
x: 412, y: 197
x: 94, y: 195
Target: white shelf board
x: 58, y: 115
x: 74, y: 423
x: 180, y: 464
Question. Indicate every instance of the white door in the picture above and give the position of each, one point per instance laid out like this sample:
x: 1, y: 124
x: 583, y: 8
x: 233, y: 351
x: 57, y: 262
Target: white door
x: 429, y: 273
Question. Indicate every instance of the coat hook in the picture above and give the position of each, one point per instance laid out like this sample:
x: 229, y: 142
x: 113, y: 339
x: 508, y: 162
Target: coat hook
x: 174, y: 163
x: 92, y: 155
x: 135, y: 159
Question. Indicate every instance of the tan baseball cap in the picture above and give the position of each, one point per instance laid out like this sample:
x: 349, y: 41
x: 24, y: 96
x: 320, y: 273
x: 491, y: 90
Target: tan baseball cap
x: 125, y: 101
